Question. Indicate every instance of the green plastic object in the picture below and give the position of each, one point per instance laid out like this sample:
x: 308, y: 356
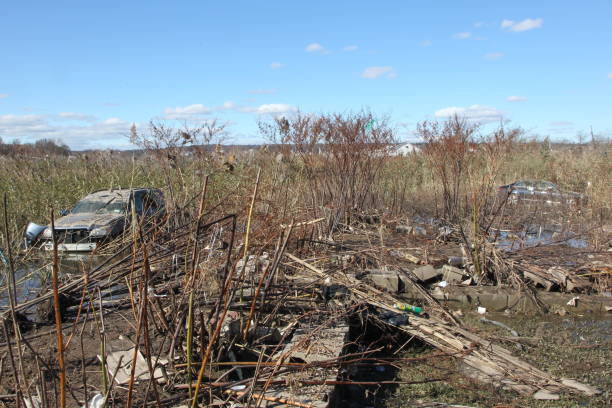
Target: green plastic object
x: 405, y: 307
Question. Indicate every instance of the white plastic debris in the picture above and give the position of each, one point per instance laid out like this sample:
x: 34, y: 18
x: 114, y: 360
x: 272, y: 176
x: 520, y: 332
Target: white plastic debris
x: 238, y: 387
x: 545, y: 395
x: 573, y: 301
x: 34, y: 403
x: 97, y: 401
x: 585, y: 388
x: 443, y: 284
x: 481, y: 310
x: 123, y: 371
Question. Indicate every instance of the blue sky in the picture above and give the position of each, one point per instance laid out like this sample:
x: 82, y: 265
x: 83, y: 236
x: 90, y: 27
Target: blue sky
x: 83, y: 71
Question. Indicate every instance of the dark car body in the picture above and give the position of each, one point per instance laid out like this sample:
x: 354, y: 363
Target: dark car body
x: 102, y: 216
x: 539, y: 191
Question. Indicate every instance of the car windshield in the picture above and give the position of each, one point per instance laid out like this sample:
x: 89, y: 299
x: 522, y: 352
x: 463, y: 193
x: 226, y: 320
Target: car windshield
x: 545, y: 185
x: 523, y: 184
x: 100, y: 207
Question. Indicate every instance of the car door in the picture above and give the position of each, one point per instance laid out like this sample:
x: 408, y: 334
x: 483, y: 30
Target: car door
x: 523, y: 190
x: 150, y: 205
x: 548, y: 192
x: 139, y: 202
x: 158, y: 196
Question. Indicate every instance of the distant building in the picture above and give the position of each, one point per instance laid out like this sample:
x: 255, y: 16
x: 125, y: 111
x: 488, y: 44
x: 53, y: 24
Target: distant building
x: 404, y: 149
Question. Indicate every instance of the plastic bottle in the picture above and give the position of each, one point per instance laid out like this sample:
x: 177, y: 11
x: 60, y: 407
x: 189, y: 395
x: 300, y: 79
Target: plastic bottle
x: 405, y: 307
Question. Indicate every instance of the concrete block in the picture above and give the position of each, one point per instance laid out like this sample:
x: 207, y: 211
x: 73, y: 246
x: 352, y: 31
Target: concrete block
x: 389, y: 281
x: 453, y: 274
x: 427, y: 272
x: 494, y: 301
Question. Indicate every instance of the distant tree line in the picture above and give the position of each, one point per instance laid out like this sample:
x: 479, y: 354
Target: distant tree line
x: 42, y: 147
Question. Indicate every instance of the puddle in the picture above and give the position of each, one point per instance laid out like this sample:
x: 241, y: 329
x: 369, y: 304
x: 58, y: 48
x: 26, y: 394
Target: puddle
x: 29, y: 280
x: 32, y: 276
x: 533, y: 235
x: 510, y: 241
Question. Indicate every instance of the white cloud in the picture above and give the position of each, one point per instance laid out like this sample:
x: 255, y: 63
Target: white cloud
x: 23, y: 125
x: 108, y: 133
x: 76, y: 116
x: 316, y: 47
x: 525, y: 25
x: 2, y: 96
x: 187, y: 112
x: 494, y: 55
x: 113, y: 121
x: 478, y: 24
x: 350, y: 48
x: 462, y: 36
x: 514, y: 98
x: 610, y: 75
x: 262, y: 91
x: 276, y: 108
x: 376, y: 72
x: 276, y: 65
x: 475, y: 113
x: 197, y: 111
x: 426, y: 43
x: 271, y: 108
x: 227, y: 105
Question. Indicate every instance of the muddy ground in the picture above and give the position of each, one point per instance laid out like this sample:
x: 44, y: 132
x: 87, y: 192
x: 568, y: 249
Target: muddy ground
x: 573, y: 345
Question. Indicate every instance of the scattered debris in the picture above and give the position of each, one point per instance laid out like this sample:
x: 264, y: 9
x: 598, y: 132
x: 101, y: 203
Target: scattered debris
x: 458, y: 261
x: 120, y: 362
x: 97, y: 401
x: 499, y: 324
x: 452, y: 274
x: 227, y: 323
x: 545, y: 395
x: 404, y: 307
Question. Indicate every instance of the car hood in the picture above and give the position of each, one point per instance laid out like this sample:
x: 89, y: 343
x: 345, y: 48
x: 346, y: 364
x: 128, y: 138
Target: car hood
x: 574, y: 194
x: 87, y: 221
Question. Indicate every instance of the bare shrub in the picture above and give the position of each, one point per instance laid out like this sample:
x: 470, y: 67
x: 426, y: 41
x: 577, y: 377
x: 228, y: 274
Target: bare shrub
x: 484, y: 205
x: 167, y: 143
x: 174, y: 147
x: 341, y: 154
x: 448, y: 146
x: 42, y: 147
x: 467, y: 166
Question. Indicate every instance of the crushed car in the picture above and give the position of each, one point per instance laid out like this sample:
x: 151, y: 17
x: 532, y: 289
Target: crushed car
x: 98, y: 218
x: 540, y: 191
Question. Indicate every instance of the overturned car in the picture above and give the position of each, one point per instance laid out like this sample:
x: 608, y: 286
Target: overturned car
x: 540, y: 191
x: 98, y: 218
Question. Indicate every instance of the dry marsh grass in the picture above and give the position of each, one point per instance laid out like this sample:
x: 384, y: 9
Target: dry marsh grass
x: 319, y: 174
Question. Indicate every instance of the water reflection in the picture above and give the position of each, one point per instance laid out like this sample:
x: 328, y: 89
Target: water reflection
x: 35, y: 274
x: 510, y: 241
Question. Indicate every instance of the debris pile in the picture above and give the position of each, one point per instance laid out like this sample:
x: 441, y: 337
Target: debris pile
x: 196, y: 316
